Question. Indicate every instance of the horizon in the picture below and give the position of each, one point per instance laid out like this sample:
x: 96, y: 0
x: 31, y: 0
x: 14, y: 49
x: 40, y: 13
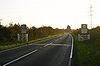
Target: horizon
x: 55, y: 13
x: 47, y: 26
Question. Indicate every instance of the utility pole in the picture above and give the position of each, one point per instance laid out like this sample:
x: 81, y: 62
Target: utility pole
x: 91, y: 15
x: 0, y: 21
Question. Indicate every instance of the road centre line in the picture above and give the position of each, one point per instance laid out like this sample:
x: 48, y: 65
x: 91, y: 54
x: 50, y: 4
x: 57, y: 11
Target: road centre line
x: 20, y: 58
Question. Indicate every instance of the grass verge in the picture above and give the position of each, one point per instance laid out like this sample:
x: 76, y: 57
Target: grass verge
x: 5, y: 47
x: 86, y: 53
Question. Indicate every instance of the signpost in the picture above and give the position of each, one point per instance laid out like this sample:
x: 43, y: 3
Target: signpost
x: 84, y: 35
x: 23, y: 28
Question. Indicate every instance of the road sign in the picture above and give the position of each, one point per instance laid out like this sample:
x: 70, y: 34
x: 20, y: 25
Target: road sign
x: 23, y: 28
x: 84, y: 35
x: 84, y: 31
x: 23, y: 36
x: 84, y: 26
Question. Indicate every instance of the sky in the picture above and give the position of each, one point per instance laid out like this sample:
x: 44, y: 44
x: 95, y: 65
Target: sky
x: 54, y: 13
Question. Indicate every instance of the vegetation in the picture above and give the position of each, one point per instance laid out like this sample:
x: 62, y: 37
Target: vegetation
x: 41, y: 32
x: 8, y: 35
x: 68, y: 29
x: 4, y: 47
x: 86, y: 53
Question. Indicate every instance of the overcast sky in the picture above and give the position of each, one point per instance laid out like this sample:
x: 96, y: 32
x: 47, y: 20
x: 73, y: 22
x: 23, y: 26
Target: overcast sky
x: 55, y: 13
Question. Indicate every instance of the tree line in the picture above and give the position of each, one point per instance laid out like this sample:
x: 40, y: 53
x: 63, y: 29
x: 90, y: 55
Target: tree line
x: 9, y: 34
x: 95, y: 35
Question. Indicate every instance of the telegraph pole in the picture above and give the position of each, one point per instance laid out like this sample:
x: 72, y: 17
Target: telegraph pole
x: 0, y: 21
x: 91, y: 15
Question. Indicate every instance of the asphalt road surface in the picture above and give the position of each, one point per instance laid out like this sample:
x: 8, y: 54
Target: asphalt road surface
x: 51, y: 52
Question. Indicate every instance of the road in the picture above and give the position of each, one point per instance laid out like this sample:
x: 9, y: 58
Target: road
x: 50, y: 52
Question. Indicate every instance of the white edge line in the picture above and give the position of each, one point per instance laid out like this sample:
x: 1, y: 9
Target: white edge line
x: 71, y: 49
x: 19, y: 58
x: 71, y: 54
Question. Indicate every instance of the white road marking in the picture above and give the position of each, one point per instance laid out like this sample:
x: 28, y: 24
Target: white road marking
x: 51, y: 44
x: 71, y: 53
x: 45, y: 45
x: 39, y: 44
x: 19, y: 58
